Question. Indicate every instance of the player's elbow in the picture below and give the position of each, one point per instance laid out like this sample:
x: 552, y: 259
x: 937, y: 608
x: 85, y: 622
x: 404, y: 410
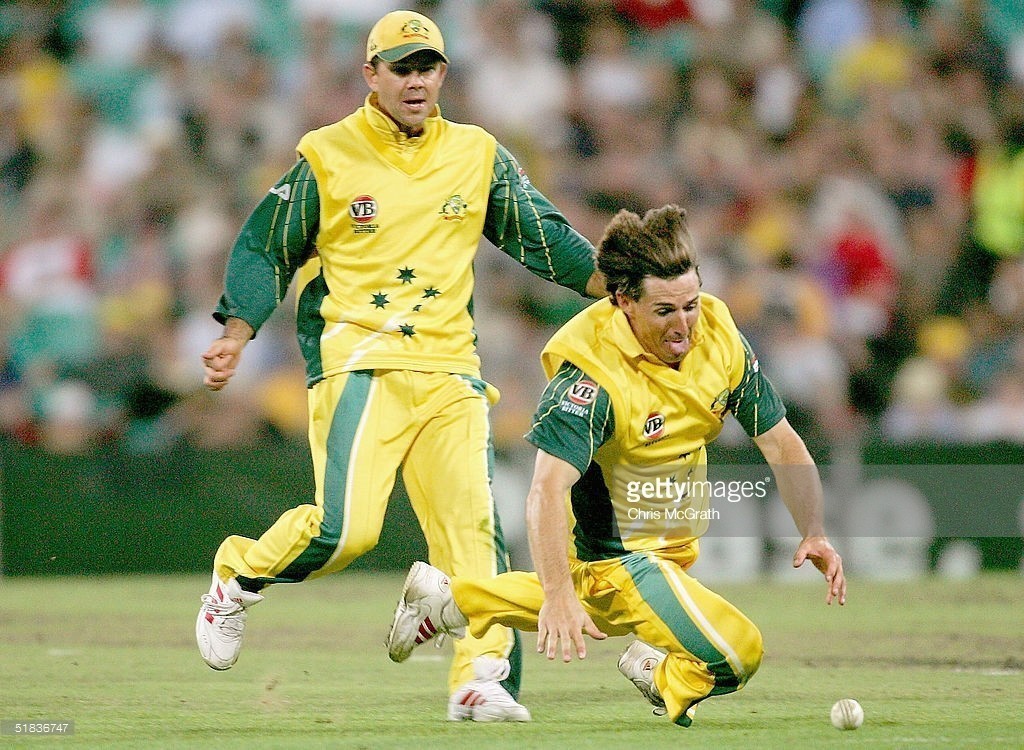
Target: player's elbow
x: 782, y: 445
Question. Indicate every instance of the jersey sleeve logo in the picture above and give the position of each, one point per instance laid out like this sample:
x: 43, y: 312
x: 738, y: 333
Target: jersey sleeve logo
x: 583, y: 392
x: 578, y: 397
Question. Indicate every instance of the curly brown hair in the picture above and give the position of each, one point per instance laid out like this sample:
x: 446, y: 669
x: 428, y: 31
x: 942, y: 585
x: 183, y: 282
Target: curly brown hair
x: 632, y: 248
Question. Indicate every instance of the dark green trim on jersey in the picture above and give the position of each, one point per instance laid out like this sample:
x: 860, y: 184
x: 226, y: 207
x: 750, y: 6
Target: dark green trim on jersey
x: 658, y: 593
x: 525, y: 225
x: 754, y: 402
x: 310, y: 326
x: 340, y: 441
x: 276, y: 239
x: 567, y: 430
x: 573, y: 432
x: 596, y: 531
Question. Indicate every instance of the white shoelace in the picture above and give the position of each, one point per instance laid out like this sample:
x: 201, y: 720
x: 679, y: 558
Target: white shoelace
x: 226, y: 615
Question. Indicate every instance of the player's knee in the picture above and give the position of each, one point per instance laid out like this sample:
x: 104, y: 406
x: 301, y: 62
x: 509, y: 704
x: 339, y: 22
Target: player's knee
x: 344, y: 548
x: 359, y: 546
x: 753, y: 652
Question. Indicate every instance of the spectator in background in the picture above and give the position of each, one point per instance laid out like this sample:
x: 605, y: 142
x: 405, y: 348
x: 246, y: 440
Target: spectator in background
x: 930, y: 387
x: 517, y: 84
x: 880, y: 57
x: 825, y: 29
x: 199, y: 28
x: 921, y: 409
x: 709, y: 148
x: 118, y: 33
x: 49, y: 282
x: 18, y: 157
x: 999, y: 415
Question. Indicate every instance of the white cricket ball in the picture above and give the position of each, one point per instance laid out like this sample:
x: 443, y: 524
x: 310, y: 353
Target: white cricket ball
x: 847, y: 714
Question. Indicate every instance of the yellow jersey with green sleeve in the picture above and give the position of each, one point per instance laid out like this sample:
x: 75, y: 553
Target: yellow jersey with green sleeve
x: 637, y: 430
x: 384, y: 273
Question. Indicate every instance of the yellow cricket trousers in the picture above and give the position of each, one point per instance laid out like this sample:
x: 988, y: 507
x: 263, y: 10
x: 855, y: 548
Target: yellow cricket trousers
x: 713, y: 649
x: 363, y: 427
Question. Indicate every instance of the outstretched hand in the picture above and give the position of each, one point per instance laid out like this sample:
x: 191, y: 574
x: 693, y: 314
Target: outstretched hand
x: 820, y: 551
x: 565, y: 622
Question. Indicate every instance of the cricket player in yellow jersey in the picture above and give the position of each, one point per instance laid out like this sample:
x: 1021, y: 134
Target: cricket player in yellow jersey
x: 640, y: 382
x: 379, y: 221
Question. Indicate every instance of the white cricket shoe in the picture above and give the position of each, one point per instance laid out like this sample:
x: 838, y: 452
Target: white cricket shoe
x: 484, y: 699
x: 425, y: 610
x: 221, y: 622
x: 637, y: 664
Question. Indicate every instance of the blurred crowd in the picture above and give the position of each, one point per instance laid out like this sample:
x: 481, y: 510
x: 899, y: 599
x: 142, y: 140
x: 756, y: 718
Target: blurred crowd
x: 853, y: 172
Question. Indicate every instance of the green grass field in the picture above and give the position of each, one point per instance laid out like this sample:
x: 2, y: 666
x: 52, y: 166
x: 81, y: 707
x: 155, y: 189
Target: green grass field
x: 934, y: 663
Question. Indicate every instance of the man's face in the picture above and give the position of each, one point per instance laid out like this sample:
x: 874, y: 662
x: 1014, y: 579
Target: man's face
x: 407, y: 90
x: 663, y: 318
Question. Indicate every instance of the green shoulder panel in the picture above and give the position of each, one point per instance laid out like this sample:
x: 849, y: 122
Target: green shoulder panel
x: 754, y: 402
x: 574, y: 418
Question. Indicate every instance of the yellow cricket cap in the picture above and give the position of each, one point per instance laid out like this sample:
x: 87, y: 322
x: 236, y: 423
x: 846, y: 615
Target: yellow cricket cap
x: 402, y: 32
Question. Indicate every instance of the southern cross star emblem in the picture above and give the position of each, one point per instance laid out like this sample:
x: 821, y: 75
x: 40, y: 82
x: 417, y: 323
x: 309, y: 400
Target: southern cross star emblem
x: 406, y: 275
x: 407, y: 330
x: 380, y: 300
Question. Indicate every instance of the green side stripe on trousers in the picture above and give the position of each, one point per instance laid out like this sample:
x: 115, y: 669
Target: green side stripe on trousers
x: 347, y: 416
x: 657, y: 592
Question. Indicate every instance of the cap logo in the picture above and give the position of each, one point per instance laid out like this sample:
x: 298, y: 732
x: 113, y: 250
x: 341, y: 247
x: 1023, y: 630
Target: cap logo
x: 402, y: 33
x: 415, y: 28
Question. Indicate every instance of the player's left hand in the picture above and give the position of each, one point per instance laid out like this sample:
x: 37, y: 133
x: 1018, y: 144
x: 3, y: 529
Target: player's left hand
x: 820, y: 551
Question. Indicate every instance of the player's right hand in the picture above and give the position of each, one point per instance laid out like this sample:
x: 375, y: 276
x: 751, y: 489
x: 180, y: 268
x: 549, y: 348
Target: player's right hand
x: 220, y: 361
x: 565, y: 622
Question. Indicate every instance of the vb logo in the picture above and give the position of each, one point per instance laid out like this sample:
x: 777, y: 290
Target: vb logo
x: 363, y: 209
x: 654, y: 427
x: 583, y: 392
